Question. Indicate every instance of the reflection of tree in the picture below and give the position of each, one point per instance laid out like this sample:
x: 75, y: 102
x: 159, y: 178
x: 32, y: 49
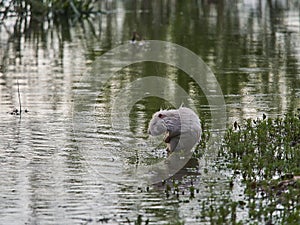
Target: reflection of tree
x: 42, y: 10
x: 241, y: 42
x: 236, y: 40
x: 246, y: 46
x: 31, y: 18
x: 34, y: 35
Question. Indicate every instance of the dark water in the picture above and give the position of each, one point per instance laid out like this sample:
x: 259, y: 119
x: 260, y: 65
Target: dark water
x: 63, y: 162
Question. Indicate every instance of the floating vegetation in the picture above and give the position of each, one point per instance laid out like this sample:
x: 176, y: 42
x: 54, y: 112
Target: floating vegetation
x: 17, y: 112
x: 265, y: 155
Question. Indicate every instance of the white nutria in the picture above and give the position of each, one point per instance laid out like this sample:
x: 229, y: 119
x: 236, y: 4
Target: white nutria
x: 182, y: 128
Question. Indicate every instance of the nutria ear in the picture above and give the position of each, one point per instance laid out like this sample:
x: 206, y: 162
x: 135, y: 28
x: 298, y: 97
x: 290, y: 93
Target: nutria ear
x: 161, y: 116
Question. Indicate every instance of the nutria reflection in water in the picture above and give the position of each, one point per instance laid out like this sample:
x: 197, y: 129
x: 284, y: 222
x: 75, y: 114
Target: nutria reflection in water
x: 182, y: 128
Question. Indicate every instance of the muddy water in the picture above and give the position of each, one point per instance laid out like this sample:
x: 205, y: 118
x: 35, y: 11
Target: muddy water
x: 63, y: 162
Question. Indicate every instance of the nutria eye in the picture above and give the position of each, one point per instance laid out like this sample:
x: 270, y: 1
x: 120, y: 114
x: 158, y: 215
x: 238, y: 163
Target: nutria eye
x: 160, y: 115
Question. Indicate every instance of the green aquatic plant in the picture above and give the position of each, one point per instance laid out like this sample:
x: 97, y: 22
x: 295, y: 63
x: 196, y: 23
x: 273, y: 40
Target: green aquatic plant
x: 265, y: 155
x: 264, y: 148
x: 223, y: 213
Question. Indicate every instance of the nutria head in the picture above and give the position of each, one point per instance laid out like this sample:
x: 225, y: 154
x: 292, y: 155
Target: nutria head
x: 157, y: 125
x: 163, y: 121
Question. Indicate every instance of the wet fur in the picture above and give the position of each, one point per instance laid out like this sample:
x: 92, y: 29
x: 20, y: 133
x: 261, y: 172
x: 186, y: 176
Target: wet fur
x: 168, y: 122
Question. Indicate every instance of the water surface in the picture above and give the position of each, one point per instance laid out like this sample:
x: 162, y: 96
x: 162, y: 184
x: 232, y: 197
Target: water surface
x: 57, y: 171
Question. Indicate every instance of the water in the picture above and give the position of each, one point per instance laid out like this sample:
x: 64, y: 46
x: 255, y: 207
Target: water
x: 63, y: 162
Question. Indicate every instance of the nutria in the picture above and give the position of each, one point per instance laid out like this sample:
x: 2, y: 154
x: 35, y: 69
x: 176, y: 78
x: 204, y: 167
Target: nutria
x: 182, y: 128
